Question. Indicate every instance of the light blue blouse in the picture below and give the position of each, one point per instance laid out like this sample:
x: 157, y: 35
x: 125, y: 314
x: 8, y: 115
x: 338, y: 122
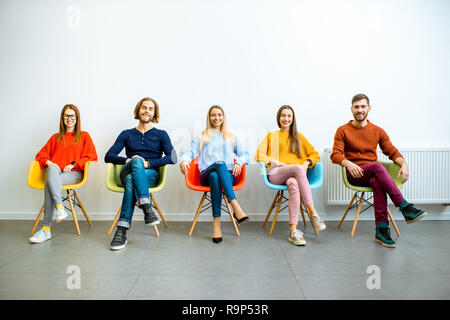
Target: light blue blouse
x: 216, y: 150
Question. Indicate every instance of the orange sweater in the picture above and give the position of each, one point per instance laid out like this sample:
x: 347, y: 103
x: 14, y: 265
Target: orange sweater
x: 276, y: 146
x: 64, y: 152
x: 359, y: 145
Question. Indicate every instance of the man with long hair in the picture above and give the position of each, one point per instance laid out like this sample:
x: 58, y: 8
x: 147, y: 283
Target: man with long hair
x: 355, y: 148
x: 144, y: 146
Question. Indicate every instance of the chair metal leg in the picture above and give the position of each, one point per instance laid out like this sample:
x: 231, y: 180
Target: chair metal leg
x: 276, y: 213
x: 348, y: 208
x: 159, y: 210
x: 82, y: 208
x: 197, y: 213
x: 393, y: 222
x: 271, y: 208
x: 115, y: 221
x: 357, y: 214
x: 37, y: 220
x: 231, y: 215
x: 73, y: 212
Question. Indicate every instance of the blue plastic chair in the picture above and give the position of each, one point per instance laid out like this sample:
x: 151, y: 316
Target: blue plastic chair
x: 315, y: 179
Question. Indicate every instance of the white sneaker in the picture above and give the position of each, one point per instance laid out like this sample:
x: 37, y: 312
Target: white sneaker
x: 296, y: 237
x: 318, y: 222
x: 60, y: 215
x: 41, y: 236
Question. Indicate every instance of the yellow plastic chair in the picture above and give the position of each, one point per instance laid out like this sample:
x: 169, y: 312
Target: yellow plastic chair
x: 36, y: 180
x: 393, y: 170
x: 114, y: 184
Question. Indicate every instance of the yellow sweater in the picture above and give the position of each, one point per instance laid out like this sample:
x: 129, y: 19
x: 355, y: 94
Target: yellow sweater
x: 276, y: 146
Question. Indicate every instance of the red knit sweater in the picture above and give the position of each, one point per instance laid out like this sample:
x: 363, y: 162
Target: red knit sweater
x: 359, y: 145
x: 65, y: 151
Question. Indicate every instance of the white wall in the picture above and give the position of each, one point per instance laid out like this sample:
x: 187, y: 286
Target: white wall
x: 248, y: 56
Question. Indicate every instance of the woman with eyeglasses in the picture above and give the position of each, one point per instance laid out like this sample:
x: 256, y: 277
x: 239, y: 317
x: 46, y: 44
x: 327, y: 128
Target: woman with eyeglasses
x: 63, y: 157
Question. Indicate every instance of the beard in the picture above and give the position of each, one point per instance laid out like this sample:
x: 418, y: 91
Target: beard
x: 144, y: 121
x: 360, y: 120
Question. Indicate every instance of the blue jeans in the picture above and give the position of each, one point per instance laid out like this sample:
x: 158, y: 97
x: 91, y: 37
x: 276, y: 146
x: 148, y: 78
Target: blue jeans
x: 218, y: 177
x: 136, y: 181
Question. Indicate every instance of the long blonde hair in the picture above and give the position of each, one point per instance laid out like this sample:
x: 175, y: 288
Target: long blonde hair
x: 208, y: 133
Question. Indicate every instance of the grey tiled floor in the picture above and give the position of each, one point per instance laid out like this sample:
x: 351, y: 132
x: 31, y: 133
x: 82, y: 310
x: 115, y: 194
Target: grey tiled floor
x: 252, y: 266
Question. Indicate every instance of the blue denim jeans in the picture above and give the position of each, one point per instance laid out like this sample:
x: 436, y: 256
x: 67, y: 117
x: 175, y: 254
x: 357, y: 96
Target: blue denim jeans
x: 136, y: 181
x: 218, y: 177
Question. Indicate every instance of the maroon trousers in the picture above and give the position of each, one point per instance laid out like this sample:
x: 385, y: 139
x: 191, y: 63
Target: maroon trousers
x: 377, y: 177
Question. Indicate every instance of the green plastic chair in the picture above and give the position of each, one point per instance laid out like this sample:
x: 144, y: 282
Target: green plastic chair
x: 393, y: 170
x: 114, y: 184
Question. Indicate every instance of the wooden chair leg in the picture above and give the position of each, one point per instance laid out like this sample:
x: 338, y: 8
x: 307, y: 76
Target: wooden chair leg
x: 303, y: 214
x: 311, y: 220
x: 197, y: 213
x: 357, y: 214
x: 276, y: 214
x: 393, y: 222
x: 348, y: 208
x: 37, y: 220
x: 159, y: 210
x: 231, y: 215
x: 73, y: 212
x: 271, y: 208
x: 156, y: 230
x: 115, y: 221
x: 82, y: 208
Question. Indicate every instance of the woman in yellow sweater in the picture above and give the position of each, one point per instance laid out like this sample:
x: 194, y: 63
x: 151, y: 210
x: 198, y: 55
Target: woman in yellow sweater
x: 288, y: 155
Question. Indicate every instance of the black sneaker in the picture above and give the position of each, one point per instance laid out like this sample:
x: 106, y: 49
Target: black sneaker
x: 412, y: 214
x: 149, y: 216
x: 120, y: 239
x: 383, y: 235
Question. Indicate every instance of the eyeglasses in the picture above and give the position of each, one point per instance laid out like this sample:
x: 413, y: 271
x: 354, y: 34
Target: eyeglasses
x: 69, y: 116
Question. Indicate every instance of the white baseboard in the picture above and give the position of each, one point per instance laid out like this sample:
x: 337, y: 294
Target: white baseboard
x: 138, y: 216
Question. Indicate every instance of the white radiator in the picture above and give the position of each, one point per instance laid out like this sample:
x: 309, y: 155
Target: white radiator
x: 429, y: 177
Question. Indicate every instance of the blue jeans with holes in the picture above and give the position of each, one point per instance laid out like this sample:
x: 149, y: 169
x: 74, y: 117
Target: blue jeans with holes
x: 218, y: 177
x: 136, y: 181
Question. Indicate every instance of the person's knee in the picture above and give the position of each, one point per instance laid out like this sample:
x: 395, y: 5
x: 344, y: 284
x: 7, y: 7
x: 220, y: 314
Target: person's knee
x: 52, y: 169
x: 292, y: 184
x: 378, y: 167
x: 213, y: 178
x: 137, y: 162
x: 299, y: 170
x: 221, y: 167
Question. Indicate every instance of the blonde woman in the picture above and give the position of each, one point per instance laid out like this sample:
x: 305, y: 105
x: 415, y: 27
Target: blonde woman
x: 288, y: 155
x: 216, y: 149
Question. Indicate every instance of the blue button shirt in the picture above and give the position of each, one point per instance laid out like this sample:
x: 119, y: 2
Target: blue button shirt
x: 216, y: 150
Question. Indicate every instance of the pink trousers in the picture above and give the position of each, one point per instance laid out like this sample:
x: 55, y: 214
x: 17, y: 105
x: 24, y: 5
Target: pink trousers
x: 294, y: 176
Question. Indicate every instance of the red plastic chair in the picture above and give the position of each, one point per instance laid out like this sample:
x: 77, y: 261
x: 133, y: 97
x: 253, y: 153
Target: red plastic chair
x: 192, y: 178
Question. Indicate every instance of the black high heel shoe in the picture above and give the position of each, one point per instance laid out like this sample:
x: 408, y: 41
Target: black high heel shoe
x: 217, y: 240
x: 241, y: 220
